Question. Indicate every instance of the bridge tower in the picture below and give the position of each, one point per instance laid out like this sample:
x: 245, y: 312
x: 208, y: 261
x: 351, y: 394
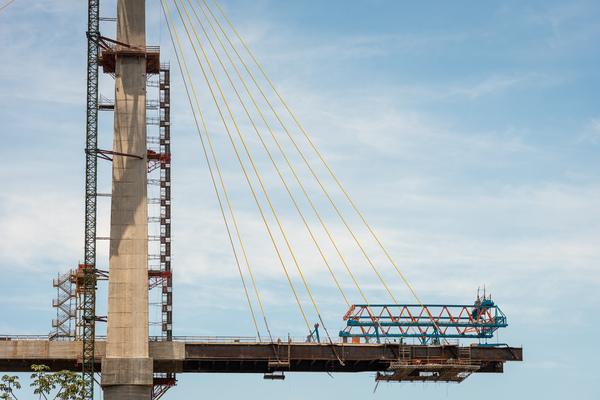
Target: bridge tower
x: 127, y: 369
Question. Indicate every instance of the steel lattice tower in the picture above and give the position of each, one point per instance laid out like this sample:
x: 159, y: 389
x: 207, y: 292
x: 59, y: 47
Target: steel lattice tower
x: 91, y: 163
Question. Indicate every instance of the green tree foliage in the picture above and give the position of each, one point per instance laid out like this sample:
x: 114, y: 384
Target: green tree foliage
x: 42, y: 381
x: 7, y: 385
x: 69, y: 384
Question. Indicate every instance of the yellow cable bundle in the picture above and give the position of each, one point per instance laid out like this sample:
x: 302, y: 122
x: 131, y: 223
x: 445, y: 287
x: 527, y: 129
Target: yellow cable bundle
x: 171, y: 24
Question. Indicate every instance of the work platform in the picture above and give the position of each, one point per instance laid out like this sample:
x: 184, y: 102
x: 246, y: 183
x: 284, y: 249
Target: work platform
x: 392, y: 361
x: 108, y: 57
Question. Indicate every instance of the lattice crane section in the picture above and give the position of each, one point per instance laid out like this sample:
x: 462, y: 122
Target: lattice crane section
x: 91, y: 163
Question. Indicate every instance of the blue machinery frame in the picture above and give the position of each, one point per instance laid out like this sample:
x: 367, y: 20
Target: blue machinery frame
x: 429, y: 323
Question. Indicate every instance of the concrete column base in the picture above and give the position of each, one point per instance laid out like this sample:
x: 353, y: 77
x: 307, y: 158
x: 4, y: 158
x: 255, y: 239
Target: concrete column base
x: 127, y: 378
x: 129, y: 392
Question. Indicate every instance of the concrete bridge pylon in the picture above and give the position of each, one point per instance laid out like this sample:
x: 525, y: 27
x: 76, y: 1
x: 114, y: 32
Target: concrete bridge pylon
x: 127, y: 368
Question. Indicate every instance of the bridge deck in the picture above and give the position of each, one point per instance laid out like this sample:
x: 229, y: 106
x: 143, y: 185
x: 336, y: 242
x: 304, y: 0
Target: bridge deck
x: 252, y: 357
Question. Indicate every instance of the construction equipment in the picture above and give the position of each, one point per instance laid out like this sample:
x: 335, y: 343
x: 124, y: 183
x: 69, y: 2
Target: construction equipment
x: 430, y: 323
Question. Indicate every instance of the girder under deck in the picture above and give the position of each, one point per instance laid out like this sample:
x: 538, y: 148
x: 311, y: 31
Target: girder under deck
x: 393, y: 361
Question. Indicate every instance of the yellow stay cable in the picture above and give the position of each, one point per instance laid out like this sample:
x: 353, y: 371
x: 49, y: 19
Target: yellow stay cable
x: 248, y: 153
x: 283, y: 125
x: 315, y: 176
x: 6, y: 5
x: 288, y: 163
x: 274, y: 164
x: 287, y: 160
x: 267, y: 150
x: 235, y: 149
x: 212, y: 175
x: 371, y: 312
x: 336, y: 180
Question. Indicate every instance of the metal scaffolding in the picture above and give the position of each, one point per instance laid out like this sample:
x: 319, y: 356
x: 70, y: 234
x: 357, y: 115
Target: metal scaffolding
x: 65, y: 303
x: 159, y: 265
x: 76, y: 299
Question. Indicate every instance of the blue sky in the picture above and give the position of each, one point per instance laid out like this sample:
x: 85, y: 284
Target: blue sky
x: 466, y: 132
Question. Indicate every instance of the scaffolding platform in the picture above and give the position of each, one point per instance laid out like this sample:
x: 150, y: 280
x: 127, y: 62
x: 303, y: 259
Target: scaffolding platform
x: 108, y: 57
x: 402, y: 372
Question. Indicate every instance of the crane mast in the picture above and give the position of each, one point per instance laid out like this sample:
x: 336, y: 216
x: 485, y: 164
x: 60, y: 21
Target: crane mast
x: 91, y: 163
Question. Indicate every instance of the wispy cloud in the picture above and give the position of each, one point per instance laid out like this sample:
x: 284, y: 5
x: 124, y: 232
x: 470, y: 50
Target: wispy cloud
x: 572, y: 24
x: 592, y: 133
x: 546, y: 365
x: 345, y: 48
x: 45, y: 60
x: 463, y: 178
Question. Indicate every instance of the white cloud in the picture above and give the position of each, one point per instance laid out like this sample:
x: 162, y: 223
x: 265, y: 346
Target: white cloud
x: 592, y: 133
x: 546, y: 365
x: 345, y: 49
x: 458, y: 205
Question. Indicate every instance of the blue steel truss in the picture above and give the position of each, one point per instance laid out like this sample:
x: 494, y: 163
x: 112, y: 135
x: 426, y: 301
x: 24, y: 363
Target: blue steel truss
x: 429, y: 323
